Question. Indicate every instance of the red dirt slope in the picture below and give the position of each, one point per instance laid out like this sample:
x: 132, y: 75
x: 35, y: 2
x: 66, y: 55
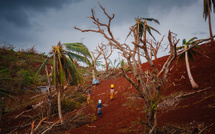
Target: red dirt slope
x: 123, y: 114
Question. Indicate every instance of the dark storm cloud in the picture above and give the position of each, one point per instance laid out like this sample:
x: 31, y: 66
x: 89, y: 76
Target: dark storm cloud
x: 128, y: 10
x: 16, y: 12
x: 44, y: 22
x: 16, y: 26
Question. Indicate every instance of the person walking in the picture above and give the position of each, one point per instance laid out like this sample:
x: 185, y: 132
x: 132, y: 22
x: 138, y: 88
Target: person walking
x: 112, y: 92
x: 88, y: 97
x: 99, y: 108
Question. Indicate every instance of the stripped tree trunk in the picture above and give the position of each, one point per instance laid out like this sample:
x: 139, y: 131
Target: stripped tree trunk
x: 59, y: 105
x: 49, y: 98
x: 94, y: 66
x: 107, y: 65
x: 59, y: 89
x: 192, y: 81
x: 151, y: 116
x: 94, y: 63
x: 209, y: 20
x: 93, y: 73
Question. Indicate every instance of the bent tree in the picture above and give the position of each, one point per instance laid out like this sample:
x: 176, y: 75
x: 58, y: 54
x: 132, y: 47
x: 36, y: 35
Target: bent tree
x: 189, y: 55
x: 64, y: 70
x: 147, y: 83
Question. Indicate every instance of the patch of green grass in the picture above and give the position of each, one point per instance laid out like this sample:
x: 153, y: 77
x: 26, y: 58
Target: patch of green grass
x: 126, y: 130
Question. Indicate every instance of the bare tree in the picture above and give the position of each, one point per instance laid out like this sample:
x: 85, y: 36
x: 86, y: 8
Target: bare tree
x: 154, y: 48
x: 106, y: 52
x: 147, y: 83
x: 94, y: 61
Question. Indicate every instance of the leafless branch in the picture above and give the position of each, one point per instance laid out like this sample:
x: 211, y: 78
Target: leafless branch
x: 49, y: 128
x: 147, y: 83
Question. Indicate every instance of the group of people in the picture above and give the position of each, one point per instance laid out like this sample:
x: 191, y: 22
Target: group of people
x: 99, y: 106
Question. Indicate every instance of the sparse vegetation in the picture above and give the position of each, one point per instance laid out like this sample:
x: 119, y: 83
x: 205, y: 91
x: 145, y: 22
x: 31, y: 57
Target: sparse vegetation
x: 146, y: 99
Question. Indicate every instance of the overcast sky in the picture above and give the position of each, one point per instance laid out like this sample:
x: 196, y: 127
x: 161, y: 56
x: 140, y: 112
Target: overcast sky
x: 24, y: 23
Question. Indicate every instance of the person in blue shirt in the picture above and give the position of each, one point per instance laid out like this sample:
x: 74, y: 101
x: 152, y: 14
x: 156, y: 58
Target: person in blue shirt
x: 99, y: 108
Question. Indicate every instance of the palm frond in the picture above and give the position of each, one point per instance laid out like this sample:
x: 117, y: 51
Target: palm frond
x: 181, y: 58
x: 6, y: 93
x: 141, y: 28
x: 180, y: 47
x: 60, y: 67
x: 213, y: 1
x: 151, y: 19
x: 54, y: 69
x: 110, y: 62
x: 191, y: 52
x: 205, y: 10
x: 4, y: 70
x: 190, y: 56
x: 210, y: 5
x: 65, y: 69
x: 195, y: 51
x: 122, y: 63
x: 154, y: 29
x: 74, y: 73
x: 197, y: 48
x: 117, y: 65
x: 149, y: 31
x: 5, y: 79
x: 79, y: 48
x: 98, y: 63
x: 115, y: 62
x: 191, y: 40
x: 148, y: 28
x: 79, y: 58
x: 39, y: 70
x: 62, y: 71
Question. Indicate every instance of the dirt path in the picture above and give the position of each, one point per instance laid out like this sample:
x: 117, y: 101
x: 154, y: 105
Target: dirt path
x: 123, y: 114
x: 118, y: 115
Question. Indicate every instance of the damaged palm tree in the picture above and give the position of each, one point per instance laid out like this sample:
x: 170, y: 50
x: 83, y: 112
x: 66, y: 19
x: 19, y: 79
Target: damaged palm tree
x: 147, y: 82
x: 80, y: 52
x: 64, y: 71
x: 189, y: 55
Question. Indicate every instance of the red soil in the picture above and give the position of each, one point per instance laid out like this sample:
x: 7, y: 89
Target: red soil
x: 123, y: 114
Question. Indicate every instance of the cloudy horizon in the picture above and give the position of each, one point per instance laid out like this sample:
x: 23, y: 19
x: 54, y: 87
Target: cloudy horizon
x: 43, y: 23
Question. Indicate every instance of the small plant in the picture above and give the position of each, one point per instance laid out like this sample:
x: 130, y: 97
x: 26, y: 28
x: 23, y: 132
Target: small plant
x: 115, y: 64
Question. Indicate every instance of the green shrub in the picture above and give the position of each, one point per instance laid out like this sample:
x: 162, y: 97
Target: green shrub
x: 23, y: 79
x: 69, y: 103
